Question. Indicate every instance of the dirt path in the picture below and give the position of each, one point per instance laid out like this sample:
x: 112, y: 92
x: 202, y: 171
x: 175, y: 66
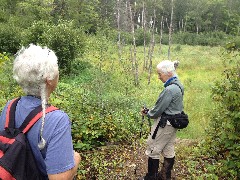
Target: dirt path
x: 128, y: 162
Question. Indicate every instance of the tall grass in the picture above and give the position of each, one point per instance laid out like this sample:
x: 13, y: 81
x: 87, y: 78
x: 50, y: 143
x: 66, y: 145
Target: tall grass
x: 199, y: 67
x: 101, y: 78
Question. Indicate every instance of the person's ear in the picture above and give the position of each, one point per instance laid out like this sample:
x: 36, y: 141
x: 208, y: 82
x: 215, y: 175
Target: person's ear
x: 48, y: 81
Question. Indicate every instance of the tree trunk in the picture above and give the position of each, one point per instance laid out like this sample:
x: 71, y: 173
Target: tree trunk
x: 197, y: 28
x: 144, y: 31
x: 185, y: 24
x: 161, y: 33
x: 119, y: 33
x: 170, y: 33
x: 134, y: 59
x: 152, y: 44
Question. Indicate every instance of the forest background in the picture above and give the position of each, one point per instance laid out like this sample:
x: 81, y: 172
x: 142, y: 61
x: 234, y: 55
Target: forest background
x: 108, y: 51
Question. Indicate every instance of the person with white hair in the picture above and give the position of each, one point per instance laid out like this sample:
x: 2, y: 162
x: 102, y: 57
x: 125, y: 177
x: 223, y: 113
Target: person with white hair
x: 35, y: 69
x: 163, y: 135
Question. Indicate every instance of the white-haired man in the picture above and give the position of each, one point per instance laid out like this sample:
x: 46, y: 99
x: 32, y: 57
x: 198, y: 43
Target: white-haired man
x: 36, y: 71
x: 162, y: 137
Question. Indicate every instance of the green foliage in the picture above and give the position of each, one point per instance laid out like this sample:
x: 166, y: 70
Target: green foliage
x: 10, y: 38
x: 139, y: 33
x: 97, y: 117
x: 34, y: 34
x: 126, y: 38
x: 223, y: 143
x: 85, y: 14
x: 204, y: 39
x: 3, y: 58
x: 9, y: 88
x: 66, y: 41
x: 234, y: 44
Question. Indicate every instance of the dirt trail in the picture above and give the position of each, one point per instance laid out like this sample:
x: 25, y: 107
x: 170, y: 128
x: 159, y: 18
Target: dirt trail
x: 124, y: 160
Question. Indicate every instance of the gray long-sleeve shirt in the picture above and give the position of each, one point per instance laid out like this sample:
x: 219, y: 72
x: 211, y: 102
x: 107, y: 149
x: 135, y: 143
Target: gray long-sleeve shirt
x: 169, y: 101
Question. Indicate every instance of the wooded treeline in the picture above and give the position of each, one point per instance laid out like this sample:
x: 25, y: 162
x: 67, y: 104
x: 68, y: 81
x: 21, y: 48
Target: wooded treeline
x: 189, y: 15
x: 63, y: 25
x: 66, y: 26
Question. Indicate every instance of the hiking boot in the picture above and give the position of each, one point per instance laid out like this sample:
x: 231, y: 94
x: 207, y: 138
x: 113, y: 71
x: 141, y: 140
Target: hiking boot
x: 148, y: 177
x: 153, y: 165
x: 165, y: 173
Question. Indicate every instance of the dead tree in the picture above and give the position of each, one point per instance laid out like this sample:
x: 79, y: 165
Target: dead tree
x: 144, y: 31
x: 134, y: 57
x: 152, y: 44
x: 161, y: 34
x: 170, y: 32
x: 119, y: 32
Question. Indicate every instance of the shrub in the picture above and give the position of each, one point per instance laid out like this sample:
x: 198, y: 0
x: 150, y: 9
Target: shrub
x: 66, y: 41
x: 9, y: 88
x: 126, y: 38
x: 10, y: 38
x: 205, y: 39
x: 99, y: 114
x: 221, y: 146
x: 139, y: 33
x: 34, y: 34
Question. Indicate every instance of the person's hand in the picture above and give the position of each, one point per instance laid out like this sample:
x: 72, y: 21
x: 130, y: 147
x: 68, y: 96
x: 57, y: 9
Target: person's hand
x: 144, y: 111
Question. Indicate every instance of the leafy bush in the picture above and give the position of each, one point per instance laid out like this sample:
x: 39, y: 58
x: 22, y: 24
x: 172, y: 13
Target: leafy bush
x: 126, y: 38
x: 66, y: 41
x: 234, y: 44
x: 10, y: 38
x: 34, y: 34
x: 140, y: 37
x: 205, y: 39
x: 9, y: 88
x: 221, y: 146
x: 3, y: 58
x: 165, y: 39
x: 97, y: 117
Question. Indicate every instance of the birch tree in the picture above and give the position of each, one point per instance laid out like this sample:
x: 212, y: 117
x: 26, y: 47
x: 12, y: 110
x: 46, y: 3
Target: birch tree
x: 161, y: 34
x: 152, y: 44
x: 144, y: 30
x: 119, y: 31
x: 134, y: 56
x: 170, y: 32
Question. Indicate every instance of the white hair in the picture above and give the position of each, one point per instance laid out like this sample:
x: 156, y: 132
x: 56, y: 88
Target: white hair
x: 167, y: 66
x: 31, y: 68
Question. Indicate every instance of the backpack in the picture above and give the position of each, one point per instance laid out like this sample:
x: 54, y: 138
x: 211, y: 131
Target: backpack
x: 16, y: 158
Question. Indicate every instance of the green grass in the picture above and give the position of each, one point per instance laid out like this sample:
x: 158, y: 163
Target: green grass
x: 199, y: 68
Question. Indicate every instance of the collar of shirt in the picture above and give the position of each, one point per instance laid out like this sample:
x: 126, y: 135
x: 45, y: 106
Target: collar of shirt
x: 169, y: 80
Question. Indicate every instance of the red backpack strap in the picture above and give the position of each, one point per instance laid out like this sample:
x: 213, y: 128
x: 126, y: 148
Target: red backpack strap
x: 29, y: 121
x: 10, y: 116
x: 33, y: 117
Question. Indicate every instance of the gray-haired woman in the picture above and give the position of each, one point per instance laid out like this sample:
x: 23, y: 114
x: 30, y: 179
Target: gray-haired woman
x: 36, y: 71
x: 163, y: 135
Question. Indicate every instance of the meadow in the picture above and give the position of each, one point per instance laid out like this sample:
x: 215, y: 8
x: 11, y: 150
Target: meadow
x: 103, y: 103
x: 199, y: 68
x: 101, y: 88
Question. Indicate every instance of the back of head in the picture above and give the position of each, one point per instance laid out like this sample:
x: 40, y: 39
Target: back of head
x: 32, y: 66
x: 167, y: 66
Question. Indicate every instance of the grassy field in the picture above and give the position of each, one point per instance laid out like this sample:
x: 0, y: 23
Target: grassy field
x: 102, y: 78
x: 199, y: 68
